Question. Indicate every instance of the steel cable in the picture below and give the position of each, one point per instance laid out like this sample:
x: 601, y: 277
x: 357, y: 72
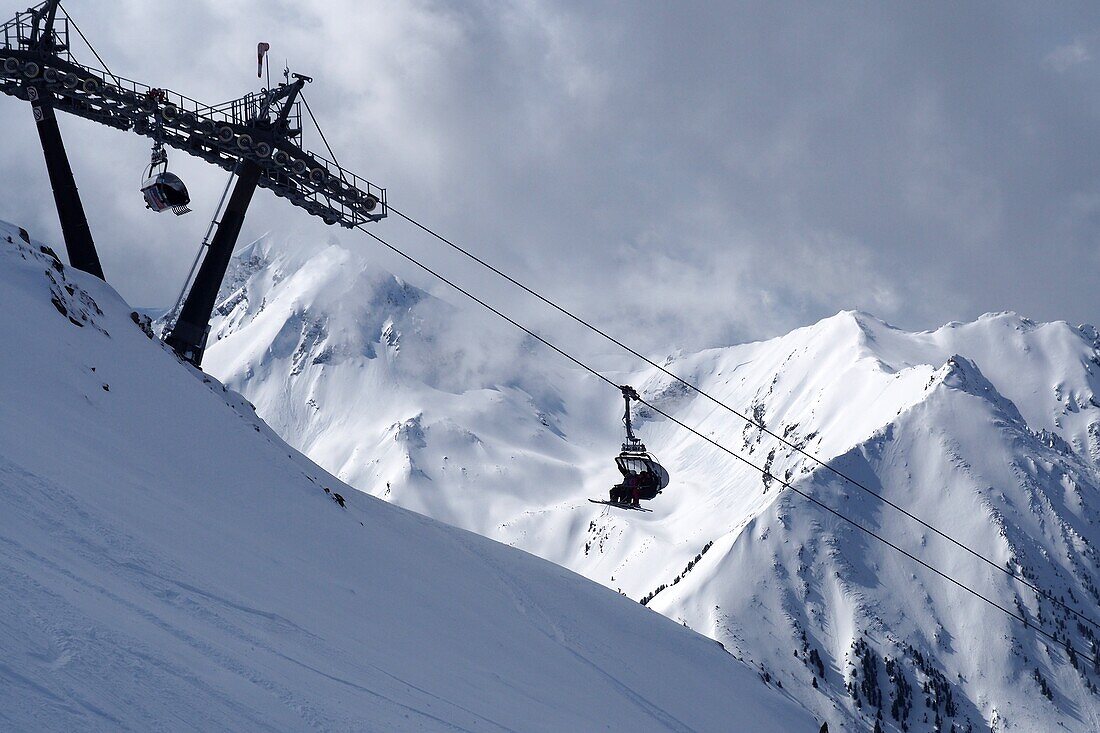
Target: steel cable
x: 825, y: 507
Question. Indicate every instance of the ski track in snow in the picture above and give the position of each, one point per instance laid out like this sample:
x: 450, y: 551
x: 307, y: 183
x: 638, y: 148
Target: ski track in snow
x: 526, y: 606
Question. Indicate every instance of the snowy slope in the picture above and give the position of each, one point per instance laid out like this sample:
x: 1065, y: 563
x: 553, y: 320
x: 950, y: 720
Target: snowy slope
x: 989, y: 430
x: 395, y: 391
x: 168, y: 563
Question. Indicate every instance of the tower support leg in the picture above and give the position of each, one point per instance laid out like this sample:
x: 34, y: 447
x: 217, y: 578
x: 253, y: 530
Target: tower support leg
x: 188, y: 336
x: 74, y: 223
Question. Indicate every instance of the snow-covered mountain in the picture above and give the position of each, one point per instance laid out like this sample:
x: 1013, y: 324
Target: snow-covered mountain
x: 168, y: 563
x: 990, y: 431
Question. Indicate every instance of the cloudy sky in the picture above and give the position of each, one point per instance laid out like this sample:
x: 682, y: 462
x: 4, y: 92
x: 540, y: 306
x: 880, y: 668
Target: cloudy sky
x: 688, y: 174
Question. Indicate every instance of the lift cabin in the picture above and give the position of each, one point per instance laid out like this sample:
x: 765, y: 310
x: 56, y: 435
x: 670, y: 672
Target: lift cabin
x: 643, y: 476
x: 162, y: 189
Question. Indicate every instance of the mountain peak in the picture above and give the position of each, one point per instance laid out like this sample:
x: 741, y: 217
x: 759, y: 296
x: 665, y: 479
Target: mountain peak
x: 960, y: 374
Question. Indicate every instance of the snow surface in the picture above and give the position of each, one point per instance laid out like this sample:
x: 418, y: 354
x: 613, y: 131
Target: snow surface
x: 988, y: 430
x: 168, y: 563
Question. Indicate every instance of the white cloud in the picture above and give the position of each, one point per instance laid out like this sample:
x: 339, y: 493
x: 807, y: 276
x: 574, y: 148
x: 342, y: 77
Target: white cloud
x: 689, y: 174
x: 1065, y: 57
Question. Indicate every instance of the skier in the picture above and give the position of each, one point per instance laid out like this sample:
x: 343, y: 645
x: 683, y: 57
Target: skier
x: 636, y: 490
x: 627, y: 490
x: 647, y: 487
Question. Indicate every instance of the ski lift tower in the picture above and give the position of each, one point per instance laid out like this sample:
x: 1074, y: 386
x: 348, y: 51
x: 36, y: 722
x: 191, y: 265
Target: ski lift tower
x: 257, y: 137
x: 36, y: 38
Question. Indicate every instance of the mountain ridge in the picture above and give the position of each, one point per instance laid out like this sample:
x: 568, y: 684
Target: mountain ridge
x: 841, y: 389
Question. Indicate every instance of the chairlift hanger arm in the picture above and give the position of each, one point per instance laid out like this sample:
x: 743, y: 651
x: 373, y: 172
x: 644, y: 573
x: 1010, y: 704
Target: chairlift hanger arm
x: 629, y: 394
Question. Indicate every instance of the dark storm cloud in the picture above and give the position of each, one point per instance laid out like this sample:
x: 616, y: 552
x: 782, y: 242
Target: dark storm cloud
x: 689, y: 173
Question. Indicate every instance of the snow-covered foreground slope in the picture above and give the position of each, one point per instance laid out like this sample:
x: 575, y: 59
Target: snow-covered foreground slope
x: 990, y: 431
x: 168, y: 563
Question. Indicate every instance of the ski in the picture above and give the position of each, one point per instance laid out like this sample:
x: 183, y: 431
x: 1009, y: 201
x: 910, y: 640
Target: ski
x: 631, y: 507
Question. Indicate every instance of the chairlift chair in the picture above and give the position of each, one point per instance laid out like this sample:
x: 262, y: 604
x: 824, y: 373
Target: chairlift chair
x: 162, y: 189
x: 635, y: 461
